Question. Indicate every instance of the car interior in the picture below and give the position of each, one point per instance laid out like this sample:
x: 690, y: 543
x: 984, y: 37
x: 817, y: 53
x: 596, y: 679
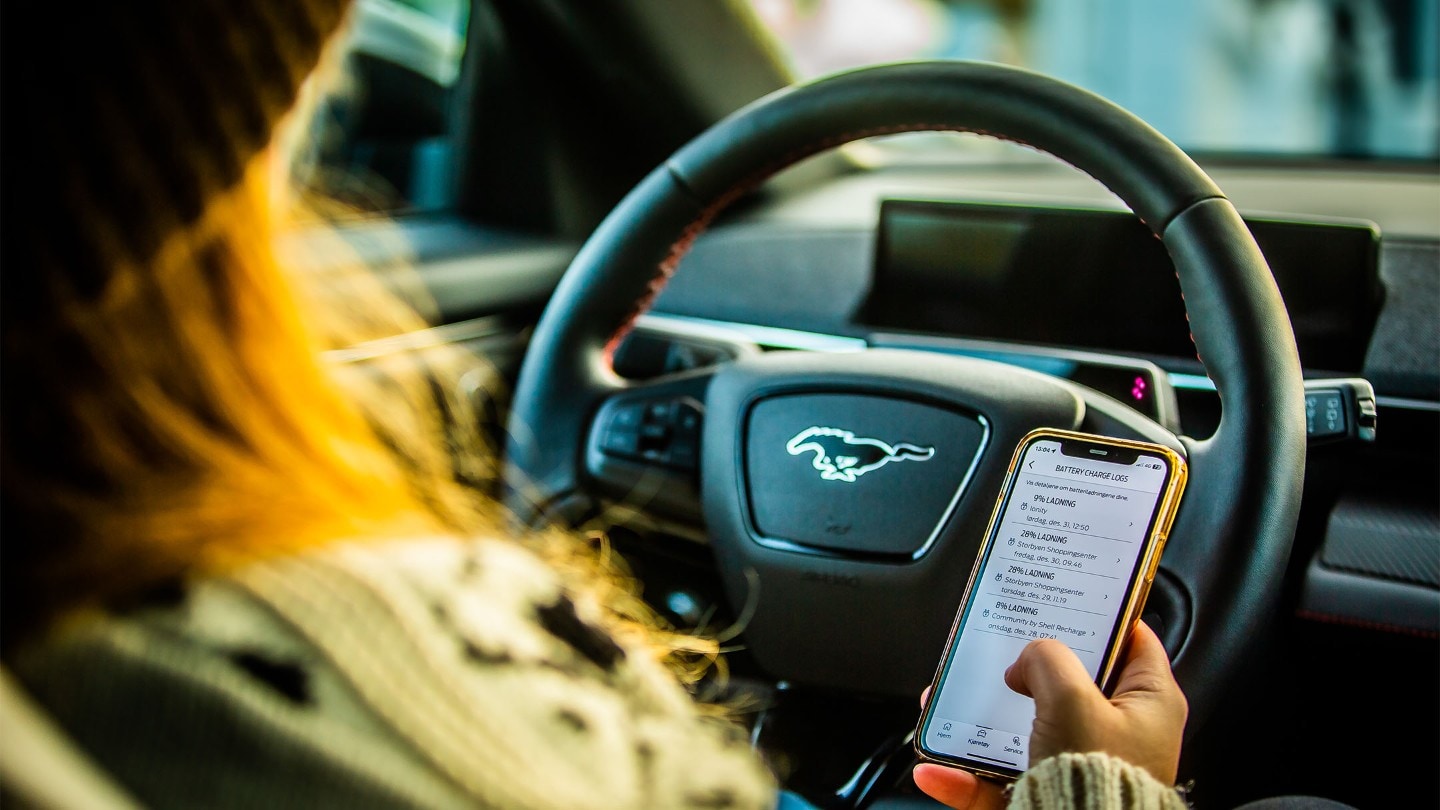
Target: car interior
x: 669, y: 276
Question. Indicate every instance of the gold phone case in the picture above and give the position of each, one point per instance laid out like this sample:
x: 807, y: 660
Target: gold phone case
x: 1137, y: 590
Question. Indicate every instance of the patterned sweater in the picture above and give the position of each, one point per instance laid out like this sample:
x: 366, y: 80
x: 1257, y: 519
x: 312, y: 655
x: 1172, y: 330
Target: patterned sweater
x: 430, y: 673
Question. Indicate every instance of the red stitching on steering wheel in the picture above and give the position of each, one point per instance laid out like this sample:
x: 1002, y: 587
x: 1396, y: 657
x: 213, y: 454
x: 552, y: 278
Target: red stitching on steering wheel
x: 681, y: 246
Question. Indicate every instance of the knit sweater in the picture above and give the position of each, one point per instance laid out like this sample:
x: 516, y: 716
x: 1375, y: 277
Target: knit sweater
x: 428, y: 673
x: 1091, y: 781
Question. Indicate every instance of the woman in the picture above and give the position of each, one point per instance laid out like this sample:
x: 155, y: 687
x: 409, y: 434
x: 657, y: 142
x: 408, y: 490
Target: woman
x: 236, y: 574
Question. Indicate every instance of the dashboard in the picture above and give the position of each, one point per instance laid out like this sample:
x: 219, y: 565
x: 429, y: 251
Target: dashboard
x: 1099, y: 279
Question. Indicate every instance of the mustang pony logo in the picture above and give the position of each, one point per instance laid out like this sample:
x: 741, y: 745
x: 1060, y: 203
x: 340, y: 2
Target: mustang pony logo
x: 842, y: 456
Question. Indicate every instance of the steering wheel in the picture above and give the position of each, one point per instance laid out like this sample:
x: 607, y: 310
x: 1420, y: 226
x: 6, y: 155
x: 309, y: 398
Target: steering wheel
x: 852, y: 584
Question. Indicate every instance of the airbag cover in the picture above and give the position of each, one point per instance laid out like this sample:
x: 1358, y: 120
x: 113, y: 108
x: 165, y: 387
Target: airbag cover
x: 817, y: 466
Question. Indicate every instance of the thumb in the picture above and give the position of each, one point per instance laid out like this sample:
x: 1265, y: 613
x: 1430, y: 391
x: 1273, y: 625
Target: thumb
x: 1147, y: 665
x: 1049, y: 672
x: 956, y: 788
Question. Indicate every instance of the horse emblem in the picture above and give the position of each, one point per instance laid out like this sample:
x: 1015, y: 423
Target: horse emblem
x: 840, y: 455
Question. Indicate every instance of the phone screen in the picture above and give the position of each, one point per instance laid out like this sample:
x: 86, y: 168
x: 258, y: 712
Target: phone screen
x: 1068, y: 541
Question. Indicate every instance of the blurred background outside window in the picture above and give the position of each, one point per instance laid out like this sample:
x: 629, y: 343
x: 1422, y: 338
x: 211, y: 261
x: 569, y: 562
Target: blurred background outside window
x: 1354, y: 79
x: 1301, y: 78
x: 386, y: 137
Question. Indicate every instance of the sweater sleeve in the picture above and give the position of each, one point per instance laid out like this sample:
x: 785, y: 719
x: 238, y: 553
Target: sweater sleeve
x: 480, y: 659
x: 428, y: 673
x: 1092, y: 781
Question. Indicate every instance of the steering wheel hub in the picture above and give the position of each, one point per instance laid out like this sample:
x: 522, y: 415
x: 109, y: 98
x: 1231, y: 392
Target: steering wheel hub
x: 817, y: 463
x: 795, y: 536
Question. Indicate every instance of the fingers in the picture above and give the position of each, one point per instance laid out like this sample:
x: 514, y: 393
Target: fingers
x: 1049, y: 672
x: 956, y: 788
x: 925, y: 698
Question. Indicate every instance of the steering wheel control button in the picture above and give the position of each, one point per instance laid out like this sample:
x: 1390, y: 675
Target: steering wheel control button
x: 658, y: 431
x: 627, y: 416
x: 659, y: 413
x: 856, y: 473
x: 687, y: 419
x: 621, y: 443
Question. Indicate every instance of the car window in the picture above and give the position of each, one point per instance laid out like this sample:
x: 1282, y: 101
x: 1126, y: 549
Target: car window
x: 1298, y: 78
x: 385, y: 137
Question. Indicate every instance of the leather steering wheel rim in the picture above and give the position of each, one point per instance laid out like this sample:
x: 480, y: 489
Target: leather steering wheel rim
x: 1232, y: 539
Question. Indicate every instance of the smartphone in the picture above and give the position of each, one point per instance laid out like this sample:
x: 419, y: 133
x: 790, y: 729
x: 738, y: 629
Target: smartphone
x: 1070, y: 553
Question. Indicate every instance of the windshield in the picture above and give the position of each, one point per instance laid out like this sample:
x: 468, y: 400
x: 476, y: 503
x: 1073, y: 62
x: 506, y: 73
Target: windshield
x: 1294, y: 78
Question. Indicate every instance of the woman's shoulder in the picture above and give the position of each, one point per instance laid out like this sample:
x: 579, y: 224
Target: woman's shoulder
x: 469, y: 661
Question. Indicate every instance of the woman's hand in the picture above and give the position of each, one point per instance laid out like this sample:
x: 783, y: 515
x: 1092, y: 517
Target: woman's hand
x: 1141, y: 724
